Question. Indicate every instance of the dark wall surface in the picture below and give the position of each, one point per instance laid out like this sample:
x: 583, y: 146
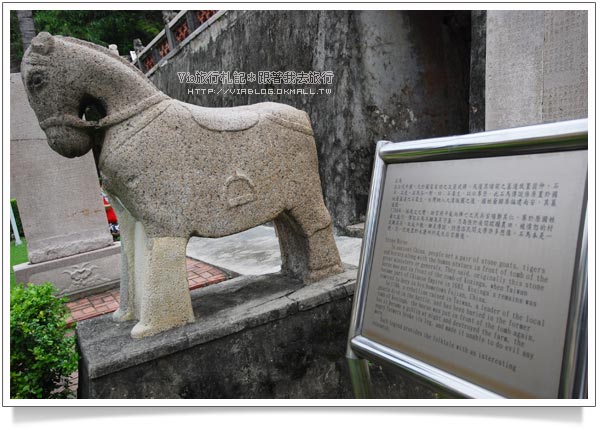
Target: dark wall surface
x: 477, y: 84
x: 397, y: 76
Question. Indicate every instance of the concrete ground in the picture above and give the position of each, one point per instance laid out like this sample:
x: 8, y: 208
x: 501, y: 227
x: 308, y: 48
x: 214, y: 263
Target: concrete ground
x: 256, y: 251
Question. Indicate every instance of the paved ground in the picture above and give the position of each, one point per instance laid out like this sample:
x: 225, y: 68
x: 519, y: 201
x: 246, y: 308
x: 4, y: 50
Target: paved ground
x: 252, y: 252
x: 199, y: 275
x: 256, y: 251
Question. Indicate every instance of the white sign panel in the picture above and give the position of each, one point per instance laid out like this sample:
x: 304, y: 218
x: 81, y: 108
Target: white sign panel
x: 473, y: 272
x: 473, y: 266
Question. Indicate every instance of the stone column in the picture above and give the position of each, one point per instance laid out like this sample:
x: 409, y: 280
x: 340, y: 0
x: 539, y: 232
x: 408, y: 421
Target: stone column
x: 61, y: 208
x: 536, y: 67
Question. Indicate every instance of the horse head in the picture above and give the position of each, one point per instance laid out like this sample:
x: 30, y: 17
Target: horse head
x: 77, y: 88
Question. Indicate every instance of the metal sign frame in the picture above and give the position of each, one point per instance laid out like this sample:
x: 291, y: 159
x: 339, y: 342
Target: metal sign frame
x: 556, y: 137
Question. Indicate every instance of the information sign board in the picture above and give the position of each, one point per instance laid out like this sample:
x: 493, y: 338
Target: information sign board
x: 473, y: 273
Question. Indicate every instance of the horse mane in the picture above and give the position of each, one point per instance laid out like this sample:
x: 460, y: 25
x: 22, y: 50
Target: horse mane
x: 104, y: 50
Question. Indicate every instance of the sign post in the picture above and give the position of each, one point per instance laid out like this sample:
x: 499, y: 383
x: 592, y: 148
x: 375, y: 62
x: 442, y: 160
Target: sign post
x: 473, y: 273
x: 15, y: 229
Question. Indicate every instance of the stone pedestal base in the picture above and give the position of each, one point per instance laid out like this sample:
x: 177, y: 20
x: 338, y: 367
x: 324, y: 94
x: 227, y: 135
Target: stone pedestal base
x: 254, y: 337
x: 78, y: 275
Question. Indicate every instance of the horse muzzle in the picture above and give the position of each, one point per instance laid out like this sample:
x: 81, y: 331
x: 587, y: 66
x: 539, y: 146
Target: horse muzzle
x: 69, y: 141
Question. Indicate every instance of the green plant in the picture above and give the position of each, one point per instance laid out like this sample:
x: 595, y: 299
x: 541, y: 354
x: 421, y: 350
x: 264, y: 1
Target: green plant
x: 42, y: 348
x: 18, y: 255
x: 102, y: 27
x: 16, y: 47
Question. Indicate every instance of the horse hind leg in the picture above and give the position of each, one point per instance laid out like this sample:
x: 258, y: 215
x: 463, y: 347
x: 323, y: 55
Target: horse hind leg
x: 308, y: 249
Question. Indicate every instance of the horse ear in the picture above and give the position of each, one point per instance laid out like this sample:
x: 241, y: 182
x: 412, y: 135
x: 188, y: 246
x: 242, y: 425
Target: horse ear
x: 43, y: 43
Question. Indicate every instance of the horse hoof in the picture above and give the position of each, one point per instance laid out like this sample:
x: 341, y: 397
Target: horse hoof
x: 122, y: 315
x: 142, y: 330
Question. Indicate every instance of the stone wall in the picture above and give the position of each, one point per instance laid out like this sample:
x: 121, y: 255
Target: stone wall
x: 398, y: 76
x: 477, y: 75
x: 536, y: 67
x: 61, y: 208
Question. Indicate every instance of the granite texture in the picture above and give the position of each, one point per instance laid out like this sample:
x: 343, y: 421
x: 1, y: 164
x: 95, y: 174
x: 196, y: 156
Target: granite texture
x: 175, y: 170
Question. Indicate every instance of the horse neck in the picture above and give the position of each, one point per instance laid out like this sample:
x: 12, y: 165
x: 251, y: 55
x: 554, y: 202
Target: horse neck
x: 122, y: 89
x: 118, y: 84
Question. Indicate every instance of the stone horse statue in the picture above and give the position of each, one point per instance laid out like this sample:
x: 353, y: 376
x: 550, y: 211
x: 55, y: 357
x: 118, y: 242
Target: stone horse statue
x: 175, y: 170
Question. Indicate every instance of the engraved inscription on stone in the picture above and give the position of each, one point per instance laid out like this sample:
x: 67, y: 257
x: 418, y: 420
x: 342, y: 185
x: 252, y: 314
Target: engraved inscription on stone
x: 536, y: 67
x: 473, y: 266
x: 565, y: 65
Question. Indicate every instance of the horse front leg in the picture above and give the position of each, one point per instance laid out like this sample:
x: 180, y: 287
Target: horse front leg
x: 126, y: 309
x: 164, y: 298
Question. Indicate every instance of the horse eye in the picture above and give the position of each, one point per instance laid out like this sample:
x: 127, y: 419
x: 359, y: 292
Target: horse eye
x: 36, y: 81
